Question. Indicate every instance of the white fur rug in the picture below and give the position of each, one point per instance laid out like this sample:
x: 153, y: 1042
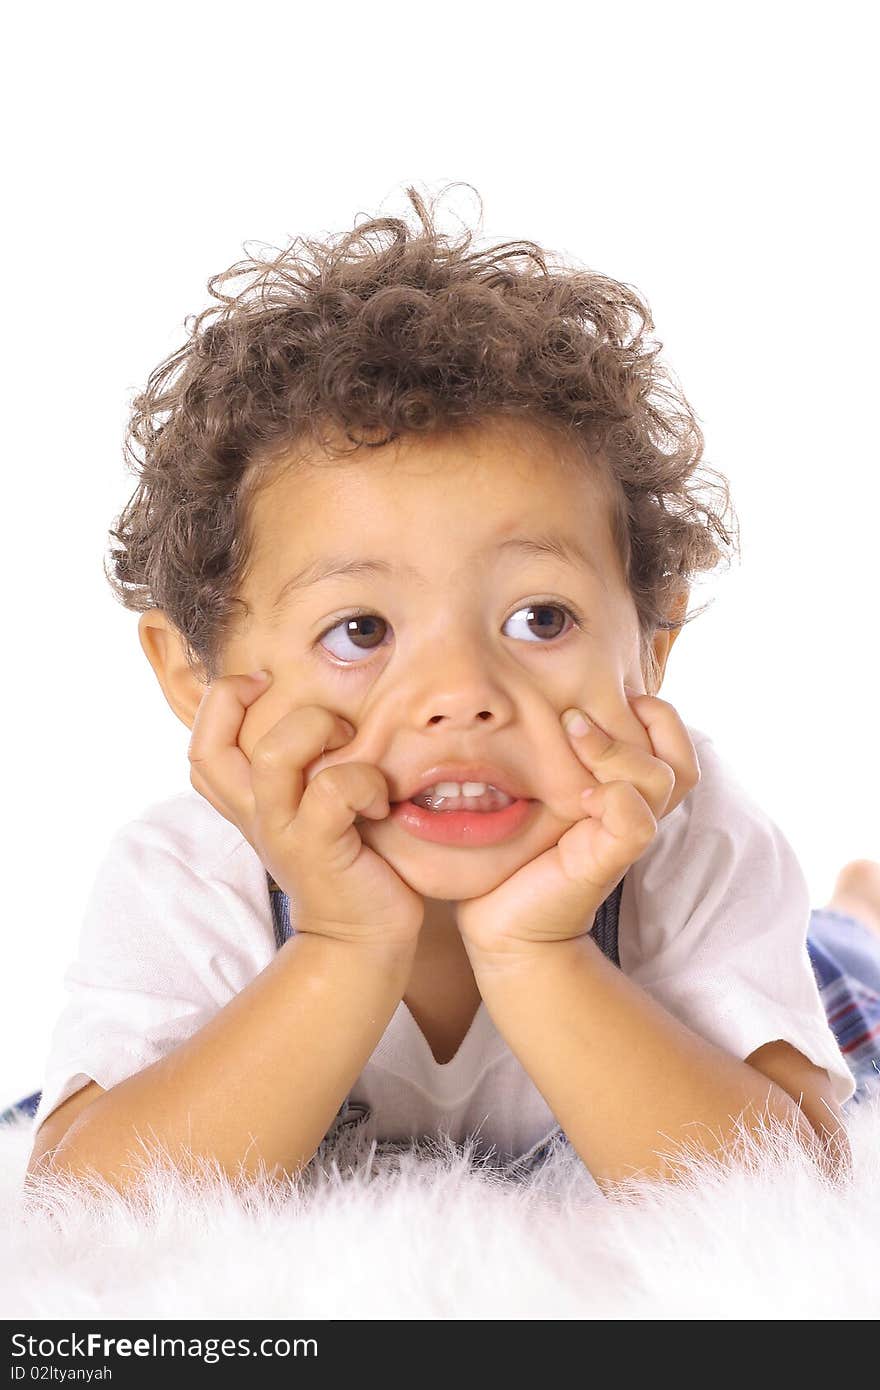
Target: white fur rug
x: 431, y: 1234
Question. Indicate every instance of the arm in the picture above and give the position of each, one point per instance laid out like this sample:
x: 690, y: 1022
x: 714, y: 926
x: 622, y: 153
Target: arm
x: 811, y: 1087
x: 628, y: 1082
x: 260, y: 1082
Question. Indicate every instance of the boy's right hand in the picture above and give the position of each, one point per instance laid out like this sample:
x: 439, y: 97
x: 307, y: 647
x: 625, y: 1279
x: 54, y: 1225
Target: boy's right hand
x: 304, y: 835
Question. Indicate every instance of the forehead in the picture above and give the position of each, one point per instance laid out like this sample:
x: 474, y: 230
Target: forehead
x: 468, y: 490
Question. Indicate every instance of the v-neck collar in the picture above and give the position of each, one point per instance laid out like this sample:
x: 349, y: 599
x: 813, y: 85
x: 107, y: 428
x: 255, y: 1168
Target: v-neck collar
x: 404, y: 1050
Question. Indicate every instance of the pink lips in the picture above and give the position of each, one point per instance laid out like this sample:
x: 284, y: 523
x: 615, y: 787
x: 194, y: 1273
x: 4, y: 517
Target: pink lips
x: 469, y: 829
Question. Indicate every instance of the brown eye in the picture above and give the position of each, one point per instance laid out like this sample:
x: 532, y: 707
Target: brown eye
x: 543, y: 620
x: 364, y: 631
x: 358, y: 634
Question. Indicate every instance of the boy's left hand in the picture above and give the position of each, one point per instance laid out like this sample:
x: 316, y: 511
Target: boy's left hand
x: 555, y: 896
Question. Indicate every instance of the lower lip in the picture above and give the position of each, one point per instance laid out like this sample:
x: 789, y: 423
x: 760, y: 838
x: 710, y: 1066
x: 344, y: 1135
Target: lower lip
x: 468, y: 828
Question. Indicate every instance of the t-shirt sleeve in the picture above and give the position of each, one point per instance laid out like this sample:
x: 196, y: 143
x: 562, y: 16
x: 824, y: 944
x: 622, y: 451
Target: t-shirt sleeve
x: 162, y: 946
x: 713, y: 925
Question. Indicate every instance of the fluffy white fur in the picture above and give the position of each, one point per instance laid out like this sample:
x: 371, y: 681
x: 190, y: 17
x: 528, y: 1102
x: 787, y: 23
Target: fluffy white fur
x: 432, y: 1234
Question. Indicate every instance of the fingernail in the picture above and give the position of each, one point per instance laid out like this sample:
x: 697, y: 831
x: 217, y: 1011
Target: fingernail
x: 575, y: 722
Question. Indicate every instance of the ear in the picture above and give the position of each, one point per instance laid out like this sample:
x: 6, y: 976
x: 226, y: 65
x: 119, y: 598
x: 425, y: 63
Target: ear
x: 664, y: 637
x: 164, y: 649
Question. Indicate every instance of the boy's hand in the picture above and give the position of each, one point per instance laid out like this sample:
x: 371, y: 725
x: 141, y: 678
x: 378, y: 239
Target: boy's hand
x: 304, y: 836
x: 555, y: 896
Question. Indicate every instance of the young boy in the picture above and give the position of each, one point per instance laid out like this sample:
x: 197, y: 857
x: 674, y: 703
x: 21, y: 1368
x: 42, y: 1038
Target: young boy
x: 446, y: 501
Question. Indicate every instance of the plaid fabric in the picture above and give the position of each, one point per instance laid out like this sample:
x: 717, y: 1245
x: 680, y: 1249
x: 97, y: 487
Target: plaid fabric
x: 845, y: 955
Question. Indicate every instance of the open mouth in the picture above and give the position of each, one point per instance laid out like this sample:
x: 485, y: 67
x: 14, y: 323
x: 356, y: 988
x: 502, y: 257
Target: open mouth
x: 479, y: 797
x: 449, y: 815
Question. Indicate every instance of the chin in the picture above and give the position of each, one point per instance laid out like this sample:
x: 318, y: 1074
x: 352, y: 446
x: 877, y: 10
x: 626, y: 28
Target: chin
x: 450, y: 872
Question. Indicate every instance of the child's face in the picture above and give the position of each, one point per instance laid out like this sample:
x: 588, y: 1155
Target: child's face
x: 449, y: 664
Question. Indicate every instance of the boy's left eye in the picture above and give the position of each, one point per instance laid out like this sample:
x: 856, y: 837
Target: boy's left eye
x: 540, y: 614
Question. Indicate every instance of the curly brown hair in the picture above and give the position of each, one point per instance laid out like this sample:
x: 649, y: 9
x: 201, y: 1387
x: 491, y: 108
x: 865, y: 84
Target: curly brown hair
x: 393, y: 331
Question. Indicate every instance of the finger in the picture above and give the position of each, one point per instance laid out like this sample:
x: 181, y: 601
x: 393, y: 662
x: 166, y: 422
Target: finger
x: 332, y: 802
x: 609, y: 759
x: 671, y: 743
x: 279, y: 758
x: 219, y: 770
x: 618, y: 828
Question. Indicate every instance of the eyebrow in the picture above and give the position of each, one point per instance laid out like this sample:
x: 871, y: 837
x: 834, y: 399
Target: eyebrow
x: 549, y: 544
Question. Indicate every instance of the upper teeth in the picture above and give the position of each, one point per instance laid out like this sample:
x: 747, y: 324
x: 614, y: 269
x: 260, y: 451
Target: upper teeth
x: 458, y: 789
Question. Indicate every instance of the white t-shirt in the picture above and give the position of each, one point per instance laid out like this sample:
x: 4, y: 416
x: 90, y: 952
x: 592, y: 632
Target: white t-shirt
x: 713, y: 923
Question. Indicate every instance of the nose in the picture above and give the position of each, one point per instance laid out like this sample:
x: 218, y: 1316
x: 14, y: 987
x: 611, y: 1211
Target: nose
x: 459, y: 692
x: 460, y: 718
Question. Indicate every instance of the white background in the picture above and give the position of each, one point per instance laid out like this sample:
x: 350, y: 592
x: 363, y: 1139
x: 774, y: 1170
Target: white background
x: 720, y: 160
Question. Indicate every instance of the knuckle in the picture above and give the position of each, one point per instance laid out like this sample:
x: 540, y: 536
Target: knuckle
x: 664, y: 704
x: 317, y: 719
x: 295, y: 835
x: 375, y: 777
x: 609, y: 752
x: 328, y: 784
x: 198, y: 777
x: 664, y: 777
x: 646, y: 827
x: 265, y: 756
x: 627, y: 792
x: 643, y: 823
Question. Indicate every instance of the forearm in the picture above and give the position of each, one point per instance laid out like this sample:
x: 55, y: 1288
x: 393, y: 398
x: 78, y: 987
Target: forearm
x: 261, y: 1081
x: 626, y: 1080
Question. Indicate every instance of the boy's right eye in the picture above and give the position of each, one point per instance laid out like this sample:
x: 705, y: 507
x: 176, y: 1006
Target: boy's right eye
x: 364, y: 630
